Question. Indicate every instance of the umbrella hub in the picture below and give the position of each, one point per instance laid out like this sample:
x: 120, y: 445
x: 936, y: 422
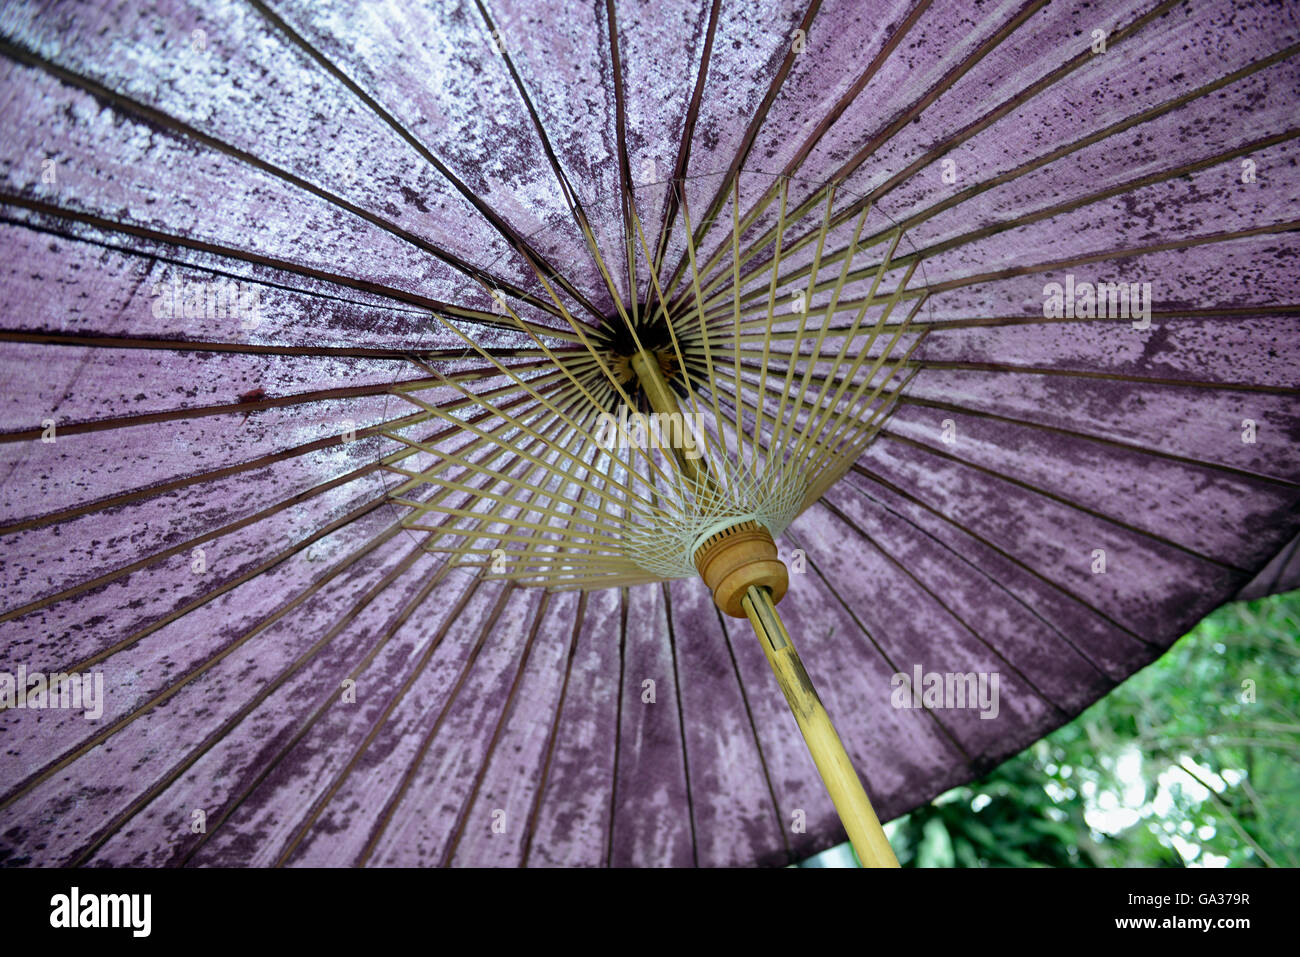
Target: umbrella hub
x: 737, y: 558
x: 691, y: 512
x: 621, y: 366
x: 621, y: 341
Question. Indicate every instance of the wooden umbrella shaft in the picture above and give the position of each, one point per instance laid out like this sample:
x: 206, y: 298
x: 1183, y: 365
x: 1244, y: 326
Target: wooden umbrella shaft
x: 828, y: 753
x: 757, y: 602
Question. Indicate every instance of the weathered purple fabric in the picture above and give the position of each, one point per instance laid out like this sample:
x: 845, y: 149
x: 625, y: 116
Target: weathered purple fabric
x: 1280, y: 575
x: 360, y: 166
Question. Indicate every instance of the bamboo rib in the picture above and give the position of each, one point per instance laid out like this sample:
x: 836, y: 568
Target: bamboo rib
x: 756, y: 318
x: 532, y: 542
x: 821, y: 336
x: 624, y: 570
x: 566, y: 516
x: 516, y: 485
x: 749, y: 293
x: 500, y: 445
x: 453, y: 555
x: 497, y: 411
x: 876, y: 365
x: 735, y: 241
x: 720, y: 301
x: 708, y: 354
x: 827, y: 407
x: 433, y: 410
x: 851, y: 420
x: 850, y: 337
x: 594, y: 354
x: 803, y: 321
x: 416, y: 447
x: 713, y: 295
x: 771, y: 310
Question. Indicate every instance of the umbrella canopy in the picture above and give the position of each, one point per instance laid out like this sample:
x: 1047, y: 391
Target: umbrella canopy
x: 242, y: 237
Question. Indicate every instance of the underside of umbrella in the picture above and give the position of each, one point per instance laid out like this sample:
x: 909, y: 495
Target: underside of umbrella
x: 311, y: 314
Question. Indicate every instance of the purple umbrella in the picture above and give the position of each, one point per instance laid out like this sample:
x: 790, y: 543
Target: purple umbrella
x: 334, y: 530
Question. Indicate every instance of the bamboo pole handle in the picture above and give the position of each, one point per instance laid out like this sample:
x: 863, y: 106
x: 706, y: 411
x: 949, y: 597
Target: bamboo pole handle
x: 837, y: 772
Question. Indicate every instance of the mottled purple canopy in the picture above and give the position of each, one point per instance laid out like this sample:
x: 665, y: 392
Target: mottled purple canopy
x: 289, y: 676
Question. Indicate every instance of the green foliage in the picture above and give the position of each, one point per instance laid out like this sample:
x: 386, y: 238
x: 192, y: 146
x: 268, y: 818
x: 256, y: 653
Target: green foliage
x: 1192, y: 761
x: 1005, y: 820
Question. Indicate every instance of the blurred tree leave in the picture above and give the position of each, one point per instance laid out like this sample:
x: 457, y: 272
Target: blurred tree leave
x: 1192, y: 761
